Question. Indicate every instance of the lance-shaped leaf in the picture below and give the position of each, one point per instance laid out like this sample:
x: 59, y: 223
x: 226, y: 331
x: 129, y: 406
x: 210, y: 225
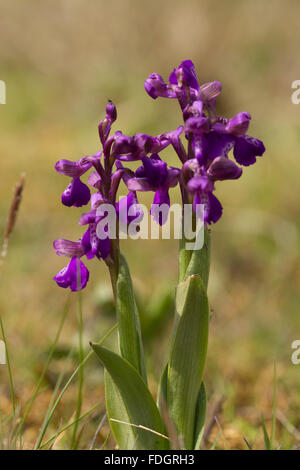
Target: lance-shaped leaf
x: 200, y: 261
x: 129, y: 330
x: 200, y: 417
x: 141, y: 409
x: 188, y: 355
x: 125, y: 435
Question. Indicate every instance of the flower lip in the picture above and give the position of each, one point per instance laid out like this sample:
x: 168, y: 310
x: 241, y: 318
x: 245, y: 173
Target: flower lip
x: 76, y: 194
x: 75, y: 275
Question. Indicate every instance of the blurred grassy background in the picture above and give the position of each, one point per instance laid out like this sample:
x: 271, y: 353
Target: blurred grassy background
x: 61, y: 61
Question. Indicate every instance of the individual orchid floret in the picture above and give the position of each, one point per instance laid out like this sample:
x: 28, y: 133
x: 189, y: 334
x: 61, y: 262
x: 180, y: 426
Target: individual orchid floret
x: 154, y: 175
x: 77, y: 193
x: 199, y: 182
x: 156, y: 87
x: 128, y: 149
x: 128, y: 210
x: 185, y: 75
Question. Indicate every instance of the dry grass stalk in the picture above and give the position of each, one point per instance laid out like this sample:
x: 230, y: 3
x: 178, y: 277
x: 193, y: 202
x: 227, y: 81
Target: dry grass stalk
x: 14, y: 208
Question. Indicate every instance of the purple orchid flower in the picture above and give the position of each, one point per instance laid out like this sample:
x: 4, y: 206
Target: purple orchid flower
x: 210, y: 137
x: 154, y: 175
x: 77, y: 193
x: 128, y: 149
x: 105, y: 181
x: 75, y: 275
x: 201, y: 184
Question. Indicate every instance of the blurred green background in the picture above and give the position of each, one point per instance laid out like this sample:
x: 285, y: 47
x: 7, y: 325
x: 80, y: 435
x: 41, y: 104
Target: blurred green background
x: 61, y: 61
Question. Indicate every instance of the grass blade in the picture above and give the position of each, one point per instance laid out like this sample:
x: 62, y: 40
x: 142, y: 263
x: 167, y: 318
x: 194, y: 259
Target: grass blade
x: 87, y: 357
x: 80, y: 373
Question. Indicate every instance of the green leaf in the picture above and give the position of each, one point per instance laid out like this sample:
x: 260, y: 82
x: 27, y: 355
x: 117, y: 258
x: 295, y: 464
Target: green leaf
x: 200, y: 261
x: 115, y: 408
x: 162, y: 390
x: 188, y: 355
x: 140, y: 407
x: 130, y: 339
x: 200, y: 417
x: 266, y: 436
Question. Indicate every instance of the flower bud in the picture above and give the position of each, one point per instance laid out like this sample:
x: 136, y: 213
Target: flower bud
x: 111, y: 111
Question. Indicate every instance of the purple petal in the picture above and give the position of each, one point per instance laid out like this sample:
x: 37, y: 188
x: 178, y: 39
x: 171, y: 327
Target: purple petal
x: 197, y: 125
x: 75, y: 275
x: 155, y: 87
x: 246, y: 150
x: 72, y: 169
x: 76, y: 194
x: 174, y: 138
x: 93, y: 246
x: 87, y: 218
x: 86, y: 244
x: 104, y: 247
x: 172, y: 177
x: 212, y: 207
x: 123, y: 144
x: 238, y: 125
x: 155, y: 170
x: 139, y: 184
x: 111, y: 111
x: 122, y: 208
x: 200, y: 148
x: 199, y: 183
x: 224, y: 169
x: 187, y: 72
x: 68, y: 248
x: 218, y: 144
x: 210, y: 91
x: 94, y: 180
x: 160, y: 214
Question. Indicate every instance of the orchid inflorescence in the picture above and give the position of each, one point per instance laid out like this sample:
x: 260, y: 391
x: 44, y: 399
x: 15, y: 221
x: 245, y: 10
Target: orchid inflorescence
x: 204, y: 161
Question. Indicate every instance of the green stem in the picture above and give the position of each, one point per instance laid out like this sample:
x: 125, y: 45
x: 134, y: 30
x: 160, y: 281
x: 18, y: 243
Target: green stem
x: 11, y: 383
x: 80, y: 373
